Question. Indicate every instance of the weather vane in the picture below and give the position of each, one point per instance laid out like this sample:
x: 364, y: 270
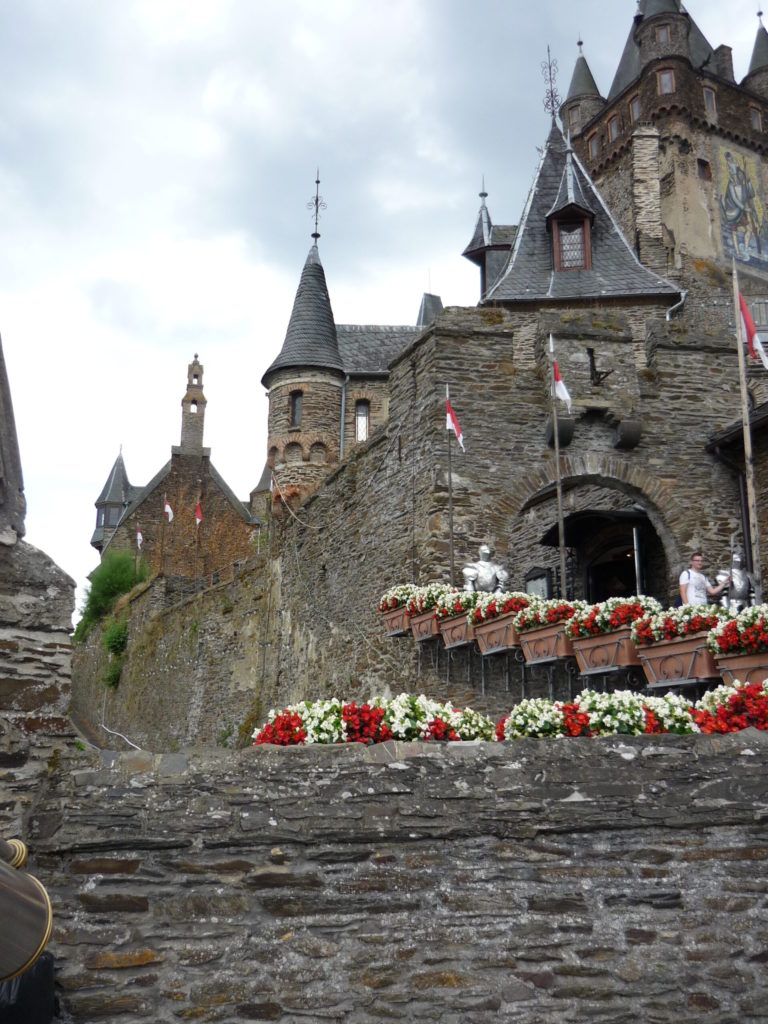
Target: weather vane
x: 552, y: 99
x: 316, y: 203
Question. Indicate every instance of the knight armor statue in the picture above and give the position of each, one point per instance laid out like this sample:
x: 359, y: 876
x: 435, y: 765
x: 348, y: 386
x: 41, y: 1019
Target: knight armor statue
x: 484, y: 575
x: 739, y: 594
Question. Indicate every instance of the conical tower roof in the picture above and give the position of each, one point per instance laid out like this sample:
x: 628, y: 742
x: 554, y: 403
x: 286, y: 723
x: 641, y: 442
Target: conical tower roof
x: 582, y: 81
x: 117, y: 490
x: 760, y: 51
x: 481, y: 238
x: 310, y: 340
x: 529, y: 276
x: 632, y: 62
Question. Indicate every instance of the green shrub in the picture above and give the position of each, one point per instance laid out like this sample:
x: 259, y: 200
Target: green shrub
x: 117, y: 574
x: 115, y: 637
x: 113, y: 670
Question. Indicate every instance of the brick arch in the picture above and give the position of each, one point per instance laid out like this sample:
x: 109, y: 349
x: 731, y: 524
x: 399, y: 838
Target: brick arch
x: 612, y: 473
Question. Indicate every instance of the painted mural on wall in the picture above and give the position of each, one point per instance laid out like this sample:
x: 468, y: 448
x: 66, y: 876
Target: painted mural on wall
x: 742, y: 208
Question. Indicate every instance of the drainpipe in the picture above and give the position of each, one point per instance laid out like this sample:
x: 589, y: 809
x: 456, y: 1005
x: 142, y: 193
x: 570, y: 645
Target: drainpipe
x: 678, y: 305
x: 343, y: 414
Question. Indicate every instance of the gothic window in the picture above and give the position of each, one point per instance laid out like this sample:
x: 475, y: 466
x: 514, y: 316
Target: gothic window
x: 665, y: 81
x: 756, y: 119
x: 593, y: 146
x: 662, y: 33
x: 296, y: 404
x: 572, y: 245
x: 362, y: 419
x: 634, y: 109
x: 710, y: 102
x: 613, y: 129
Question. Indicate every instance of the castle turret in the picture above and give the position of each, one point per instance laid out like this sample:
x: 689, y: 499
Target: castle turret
x: 662, y: 29
x: 584, y: 100
x: 489, y: 246
x: 756, y: 79
x: 193, y: 411
x: 305, y: 384
x: 115, y: 496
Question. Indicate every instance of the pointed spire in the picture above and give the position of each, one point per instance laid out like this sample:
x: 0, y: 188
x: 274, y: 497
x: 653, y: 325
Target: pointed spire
x: 582, y: 81
x: 13, y: 506
x: 481, y: 238
x: 760, y: 51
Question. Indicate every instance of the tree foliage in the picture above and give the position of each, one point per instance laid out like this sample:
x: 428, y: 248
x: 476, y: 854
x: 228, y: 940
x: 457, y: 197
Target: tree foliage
x: 117, y: 574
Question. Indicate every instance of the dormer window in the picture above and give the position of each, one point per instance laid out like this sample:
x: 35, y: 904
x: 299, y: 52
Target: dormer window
x: 572, y: 244
x: 665, y: 81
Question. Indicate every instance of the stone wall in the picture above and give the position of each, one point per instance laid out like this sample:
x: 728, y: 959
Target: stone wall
x: 36, y: 604
x: 191, y: 673
x: 614, y: 879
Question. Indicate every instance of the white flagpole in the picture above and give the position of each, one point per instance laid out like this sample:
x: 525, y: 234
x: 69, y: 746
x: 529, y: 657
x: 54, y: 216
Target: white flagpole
x: 558, y: 481
x: 450, y: 490
x: 749, y: 469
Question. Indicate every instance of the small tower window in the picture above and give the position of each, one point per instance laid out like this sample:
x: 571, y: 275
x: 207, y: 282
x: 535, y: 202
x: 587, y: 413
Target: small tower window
x: 613, y: 129
x: 662, y: 33
x: 634, y: 109
x: 193, y: 406
x: 195, y: 378
x: 756, y: 119
x: 574, y: 115
x: 100, y: 517
x: 362, y: 419
x: 296, y: 404
x: 665, y: 81
x: 593, y: 146
x: 710, y: 102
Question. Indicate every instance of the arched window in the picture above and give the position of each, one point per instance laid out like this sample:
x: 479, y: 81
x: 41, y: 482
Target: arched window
x: 293, y: 453
x: 296, y: 404
x: 362, y: 419
x: 193, y: 406
x: 317, y: 453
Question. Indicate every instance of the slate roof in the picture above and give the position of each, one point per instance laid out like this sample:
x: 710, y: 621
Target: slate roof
x: 310, y: 340
x: 529, y: 274
x: 368, y: 350
x: 582, y: 82
x: 118, y: 489
x: 760, y: 51
x: 430, y: 309
x: 631, y: 63
x: 481, y: 238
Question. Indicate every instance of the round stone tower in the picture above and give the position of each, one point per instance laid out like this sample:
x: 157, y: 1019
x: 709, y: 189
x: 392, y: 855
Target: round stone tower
x: 305, y: 384
x: 662, y: 29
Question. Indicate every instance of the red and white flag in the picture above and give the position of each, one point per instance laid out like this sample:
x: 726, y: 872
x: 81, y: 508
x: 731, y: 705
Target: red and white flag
x: 139, y: 538
x: 559, y: 390
x: 168, y: 511
x: 451, y: 422
x: 198, y: 515
x: 754, y: 344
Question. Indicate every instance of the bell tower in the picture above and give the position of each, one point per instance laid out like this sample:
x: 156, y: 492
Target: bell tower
x: 193, y: 411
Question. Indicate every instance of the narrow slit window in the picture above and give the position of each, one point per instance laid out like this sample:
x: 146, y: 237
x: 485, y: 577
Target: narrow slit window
x: 362, y: 419
x: 296, y: 408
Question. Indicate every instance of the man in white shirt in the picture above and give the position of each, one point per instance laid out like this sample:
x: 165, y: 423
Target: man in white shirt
x: 695, y: 587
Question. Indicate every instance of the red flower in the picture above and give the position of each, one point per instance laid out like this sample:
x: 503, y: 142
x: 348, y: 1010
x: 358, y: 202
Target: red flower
x: 286, y: 730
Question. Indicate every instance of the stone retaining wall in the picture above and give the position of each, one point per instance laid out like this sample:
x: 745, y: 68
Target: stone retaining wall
x: 606, y: 880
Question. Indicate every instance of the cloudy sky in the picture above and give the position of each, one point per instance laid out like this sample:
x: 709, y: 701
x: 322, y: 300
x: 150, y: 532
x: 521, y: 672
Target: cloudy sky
x: 156, y: 159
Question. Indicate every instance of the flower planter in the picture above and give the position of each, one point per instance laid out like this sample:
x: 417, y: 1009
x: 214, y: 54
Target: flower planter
x: 546, y: 643
x: 682, y: 657
x: 497, y: 634
x: 747, y: 668
x: 424, y: 626
x: 605, y: 651
x: 456, y: 630
x: 396, y: 621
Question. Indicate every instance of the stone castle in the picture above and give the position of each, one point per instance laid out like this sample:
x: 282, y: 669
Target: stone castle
x: 610, y: 879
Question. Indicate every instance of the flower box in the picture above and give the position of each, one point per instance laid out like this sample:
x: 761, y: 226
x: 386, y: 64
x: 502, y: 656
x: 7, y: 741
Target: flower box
x: 605, y: 651
x: 546, y: 643
x: 747, y: 668
x: 682, y: 657
x: 456, y: 630
x: 396, y: 621
x: 497, y: 635
x: 424, y: 626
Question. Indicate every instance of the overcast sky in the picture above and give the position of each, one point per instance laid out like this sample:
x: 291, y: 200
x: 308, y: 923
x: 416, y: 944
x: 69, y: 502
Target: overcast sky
x: 156, y: 159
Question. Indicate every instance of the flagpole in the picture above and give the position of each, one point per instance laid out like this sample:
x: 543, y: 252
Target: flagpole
x: 754, y: 529
x: 450, y: 493
x: 558, y: 481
